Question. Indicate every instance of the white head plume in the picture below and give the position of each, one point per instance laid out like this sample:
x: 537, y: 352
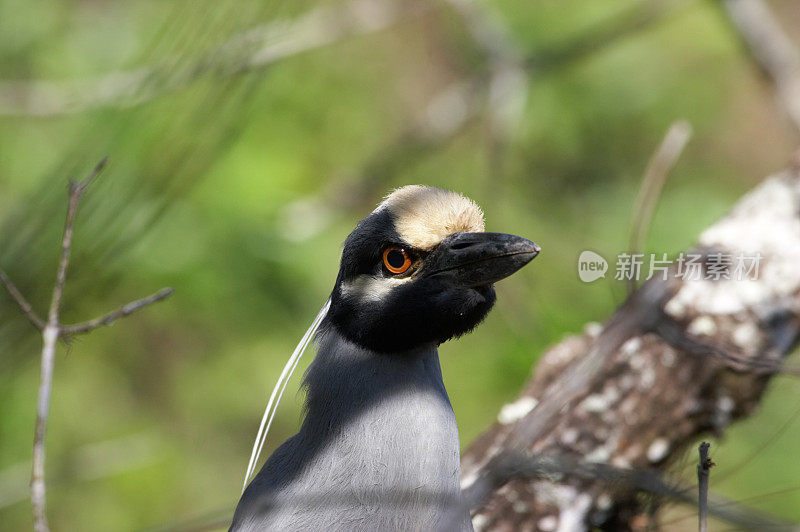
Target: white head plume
x: 272, y: 404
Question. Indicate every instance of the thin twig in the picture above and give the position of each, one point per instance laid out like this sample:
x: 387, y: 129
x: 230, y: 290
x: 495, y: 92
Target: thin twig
x: 49, y: 338
x: 658, y: 170
x: 93, y: 175
x: 125, y: 310
x: 51, y: 332
x: 38, y: 489
x: 703, y: 472
x: 22, y: 303
x: 76, y: 191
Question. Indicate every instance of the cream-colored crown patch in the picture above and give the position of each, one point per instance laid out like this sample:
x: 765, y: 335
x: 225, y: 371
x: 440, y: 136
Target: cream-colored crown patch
x: 424, y: 216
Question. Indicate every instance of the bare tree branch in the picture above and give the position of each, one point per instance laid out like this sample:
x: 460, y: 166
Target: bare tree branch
x: 108, y: 319
x: 773, y: 51
x: 51, y: 332
x: 76, y: 191
x: 703, y: 473
x: 551, y: 467
x: 22, y: 303
x: 635, y: 393
x: 50, y: 336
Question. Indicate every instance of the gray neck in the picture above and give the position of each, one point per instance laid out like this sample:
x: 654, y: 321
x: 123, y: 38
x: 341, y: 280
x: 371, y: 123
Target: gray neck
x: 345, y: 382
x: 378, y: 448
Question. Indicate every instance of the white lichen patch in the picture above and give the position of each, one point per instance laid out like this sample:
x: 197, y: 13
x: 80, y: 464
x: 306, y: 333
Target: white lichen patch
x: 479, y: 522
x: 470, y: 470
x: 629, y: 411
x: 745, y: 336
x: 648, y: 378
x: 572, y: 515
x: 594, y: 403
x: 675, y: 308
x: 564, y: 352
x: 621, y: 462
x: 725, y: 404
x: 600, y: 402
x: 702, y: 326
x: 517, y: 410
x: 658, y: 450
x: 633, y: 452
x: 626, y: 382
x: 724, y: 407
x: 593, y: 329
x: 609, y: 417
x: 632, y: 346
x: 569, y: 436
x: 509, y: 493
x: 601, y: 433
x: 668, y: 357
x: 604, y: 502
x: 573, y: 506
x: 637, y: 362
x: 520, y: 507
x: 765, y: 224
x: 469, y: 479
x: 548, y: 523
x: 600, y: 455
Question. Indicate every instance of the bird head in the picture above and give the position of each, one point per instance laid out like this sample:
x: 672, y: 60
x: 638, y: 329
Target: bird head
x: 420, y: 270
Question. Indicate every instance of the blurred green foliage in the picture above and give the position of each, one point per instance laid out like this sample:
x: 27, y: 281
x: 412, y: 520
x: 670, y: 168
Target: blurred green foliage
x: 238, y: 188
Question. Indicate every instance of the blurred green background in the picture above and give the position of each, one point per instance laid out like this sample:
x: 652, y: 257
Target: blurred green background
x: 259, y: 133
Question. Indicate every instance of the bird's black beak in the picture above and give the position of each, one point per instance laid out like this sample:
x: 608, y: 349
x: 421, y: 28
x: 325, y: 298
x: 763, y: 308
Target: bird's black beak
x: 478, y: 259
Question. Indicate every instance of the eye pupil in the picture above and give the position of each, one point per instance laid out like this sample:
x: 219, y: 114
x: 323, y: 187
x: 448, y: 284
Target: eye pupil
x: 395, y: 258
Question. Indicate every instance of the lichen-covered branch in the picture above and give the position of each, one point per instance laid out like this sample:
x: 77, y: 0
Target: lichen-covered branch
x: 679, y: 359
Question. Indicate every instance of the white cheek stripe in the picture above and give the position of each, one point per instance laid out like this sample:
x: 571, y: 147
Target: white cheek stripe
x: 371, y: 288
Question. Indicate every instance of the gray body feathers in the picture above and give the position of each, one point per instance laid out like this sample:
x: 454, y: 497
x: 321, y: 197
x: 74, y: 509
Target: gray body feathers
x: 377, y: 450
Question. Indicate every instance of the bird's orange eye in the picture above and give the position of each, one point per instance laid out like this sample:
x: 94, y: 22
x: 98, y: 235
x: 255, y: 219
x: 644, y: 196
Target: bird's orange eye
x: 396, y: 259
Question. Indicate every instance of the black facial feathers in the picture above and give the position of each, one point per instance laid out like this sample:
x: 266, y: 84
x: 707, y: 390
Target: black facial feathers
x: 363, y: 247
x: 384, y: 314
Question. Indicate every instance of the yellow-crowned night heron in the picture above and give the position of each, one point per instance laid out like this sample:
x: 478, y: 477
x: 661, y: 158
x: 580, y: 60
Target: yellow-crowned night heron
x: 378, y: 448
